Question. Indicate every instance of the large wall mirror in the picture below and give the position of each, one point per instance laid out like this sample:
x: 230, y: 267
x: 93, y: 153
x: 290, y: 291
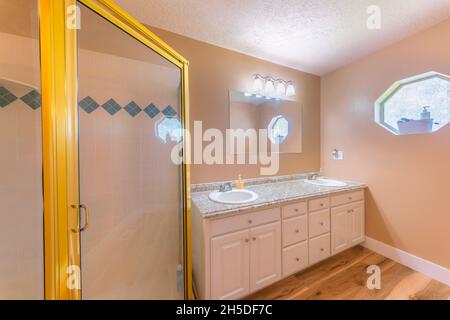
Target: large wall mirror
x: 281, y: 118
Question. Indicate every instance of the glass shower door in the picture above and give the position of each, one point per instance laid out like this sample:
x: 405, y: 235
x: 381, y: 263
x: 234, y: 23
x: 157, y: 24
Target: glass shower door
x: 129, y: 109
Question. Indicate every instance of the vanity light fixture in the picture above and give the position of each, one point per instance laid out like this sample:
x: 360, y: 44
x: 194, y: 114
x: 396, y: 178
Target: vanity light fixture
x: 258, y: 83
x: 269, y: 88
x: 290, y: 90
x: 281, y: 88
x: 272, y: 88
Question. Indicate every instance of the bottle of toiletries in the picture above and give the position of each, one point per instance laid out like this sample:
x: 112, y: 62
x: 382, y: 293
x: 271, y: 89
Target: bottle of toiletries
x: 239, y: 183
x: 425, y: 115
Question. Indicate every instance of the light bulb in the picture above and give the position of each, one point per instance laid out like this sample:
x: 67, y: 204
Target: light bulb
x: 281, y: 89
x: 269, y: 88
x: 258, y: 84
x: 290, y: 90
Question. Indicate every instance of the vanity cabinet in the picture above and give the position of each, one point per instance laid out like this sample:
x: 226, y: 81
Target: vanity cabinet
x: 240, y: 253
x: 265, y: 256
x: 245, y: 261
x: 230, y: 263
x: 347, y: 223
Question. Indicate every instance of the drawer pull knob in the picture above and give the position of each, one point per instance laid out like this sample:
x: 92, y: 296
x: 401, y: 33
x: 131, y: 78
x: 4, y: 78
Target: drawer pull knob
x: 321, y: 204
x: 297, y: 259
x: 297, y: 231
x: 350, y: 198
x: 246, y: 240
x: 321, y: 223
x: 250, y: 221
x: 322, y: 249
x: 254, y: 238
x: 296, y: 210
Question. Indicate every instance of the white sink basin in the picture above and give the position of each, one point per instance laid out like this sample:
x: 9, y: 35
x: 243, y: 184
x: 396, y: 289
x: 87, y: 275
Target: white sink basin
x: 235, y: 196
x: 326, y: 182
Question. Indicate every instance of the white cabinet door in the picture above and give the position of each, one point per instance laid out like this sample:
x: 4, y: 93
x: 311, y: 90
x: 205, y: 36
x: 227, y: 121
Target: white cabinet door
x: 356, y: 223
x: 265, y: 252
x: 230, y: 265
x: 347, y: 226
x: 340, y: 221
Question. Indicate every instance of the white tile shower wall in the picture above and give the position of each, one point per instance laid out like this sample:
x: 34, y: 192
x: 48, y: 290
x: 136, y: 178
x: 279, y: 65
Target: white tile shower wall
x: 21, y: 235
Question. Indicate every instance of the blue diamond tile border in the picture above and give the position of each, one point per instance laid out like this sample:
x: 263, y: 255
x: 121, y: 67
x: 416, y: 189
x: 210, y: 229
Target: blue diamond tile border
x: 132, y: 108
x: 111, y: 106
x: 151, y: 110
x: 169, y: 111
x: 6, y: 97
x: 32, y: 99
x: 88, y: 104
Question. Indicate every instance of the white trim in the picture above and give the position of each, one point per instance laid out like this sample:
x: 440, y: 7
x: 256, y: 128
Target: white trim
x: 416, y: 263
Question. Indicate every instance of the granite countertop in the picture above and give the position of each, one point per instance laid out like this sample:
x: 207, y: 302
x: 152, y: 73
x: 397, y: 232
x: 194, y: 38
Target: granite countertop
x: 268, y: 194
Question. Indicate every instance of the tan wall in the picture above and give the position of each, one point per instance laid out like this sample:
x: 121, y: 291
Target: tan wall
x: 408, y: 203
x: 213, y: 72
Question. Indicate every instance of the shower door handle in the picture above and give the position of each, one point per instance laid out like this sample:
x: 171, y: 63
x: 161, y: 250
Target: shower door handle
x: 85, y: 208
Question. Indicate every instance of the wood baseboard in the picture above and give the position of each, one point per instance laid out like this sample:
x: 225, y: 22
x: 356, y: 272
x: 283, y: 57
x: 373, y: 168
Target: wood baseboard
x: 416, y: 263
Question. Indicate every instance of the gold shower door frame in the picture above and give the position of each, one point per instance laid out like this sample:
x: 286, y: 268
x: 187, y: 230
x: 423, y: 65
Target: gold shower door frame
x: 60, y: 139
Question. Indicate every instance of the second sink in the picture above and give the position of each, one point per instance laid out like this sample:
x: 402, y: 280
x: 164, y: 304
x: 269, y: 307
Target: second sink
x: 327, y: 182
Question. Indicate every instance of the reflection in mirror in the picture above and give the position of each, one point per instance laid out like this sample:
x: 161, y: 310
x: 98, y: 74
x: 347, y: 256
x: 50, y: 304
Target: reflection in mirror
x: 169, y: 129
x: 281, y: 118
x: 278, y: 129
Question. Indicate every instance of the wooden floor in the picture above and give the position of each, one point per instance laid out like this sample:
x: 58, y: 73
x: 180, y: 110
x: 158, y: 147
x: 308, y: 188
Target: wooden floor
x: 344, y: 277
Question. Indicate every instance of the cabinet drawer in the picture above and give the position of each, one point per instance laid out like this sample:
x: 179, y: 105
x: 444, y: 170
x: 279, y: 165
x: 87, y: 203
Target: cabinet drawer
x: 295, y: 230
x: 319, y: 248
x: 347, y: 197
x: 242, y: 221
x: 264, y: 216
x: 295, y: 209
x: 319, y: 223
x: 295, y: 258
x: 320, y: 203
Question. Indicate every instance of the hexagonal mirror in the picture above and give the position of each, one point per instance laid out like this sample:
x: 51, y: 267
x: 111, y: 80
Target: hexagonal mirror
x: 278, y: 129
x: 416, y: 105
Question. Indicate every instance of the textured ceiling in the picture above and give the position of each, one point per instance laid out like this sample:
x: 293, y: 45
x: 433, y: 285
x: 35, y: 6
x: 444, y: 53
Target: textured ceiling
x: 316, y: 36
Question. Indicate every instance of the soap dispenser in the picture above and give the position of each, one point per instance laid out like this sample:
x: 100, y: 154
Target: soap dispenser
x: 425, y: 115
x: 239, y: 183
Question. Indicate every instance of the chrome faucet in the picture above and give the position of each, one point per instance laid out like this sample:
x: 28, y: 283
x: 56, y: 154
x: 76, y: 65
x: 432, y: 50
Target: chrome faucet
x: 225, y: 187
x: 313, y: 176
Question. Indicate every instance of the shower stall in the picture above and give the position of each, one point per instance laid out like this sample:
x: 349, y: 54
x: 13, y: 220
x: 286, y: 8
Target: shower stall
x: 95, y: 199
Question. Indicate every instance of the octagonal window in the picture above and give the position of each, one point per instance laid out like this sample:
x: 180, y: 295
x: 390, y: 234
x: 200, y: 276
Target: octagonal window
x: 169, y: 129
x: 415, y: 105
x: 278, y: 129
